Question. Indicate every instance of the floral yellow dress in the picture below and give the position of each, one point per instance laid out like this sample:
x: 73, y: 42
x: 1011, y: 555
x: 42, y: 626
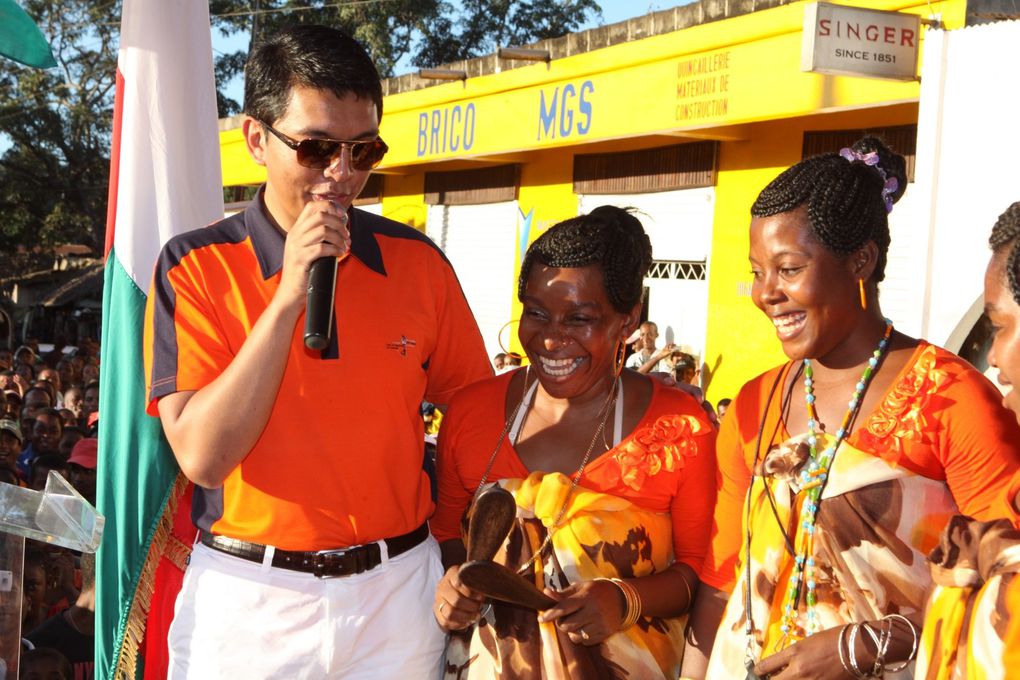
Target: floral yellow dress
x: 638, y: 508
x: 938, y: 443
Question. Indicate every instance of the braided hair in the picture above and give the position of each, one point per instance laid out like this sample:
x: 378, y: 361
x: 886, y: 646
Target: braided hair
x: 1005, y: 239
x: 609, y: 237
x: 846, y: 200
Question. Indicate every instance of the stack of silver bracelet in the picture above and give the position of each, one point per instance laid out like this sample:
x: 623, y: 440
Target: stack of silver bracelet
x: 848, y: 651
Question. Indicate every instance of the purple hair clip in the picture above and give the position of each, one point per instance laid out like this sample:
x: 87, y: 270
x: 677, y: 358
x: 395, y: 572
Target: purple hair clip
x: 871, y: 158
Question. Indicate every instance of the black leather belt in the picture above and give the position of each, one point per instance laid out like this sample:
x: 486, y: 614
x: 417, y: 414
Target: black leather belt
x: 324, y: 563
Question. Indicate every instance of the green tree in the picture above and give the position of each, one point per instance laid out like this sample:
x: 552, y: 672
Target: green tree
x: 428, y: 32
x: 56, y: 124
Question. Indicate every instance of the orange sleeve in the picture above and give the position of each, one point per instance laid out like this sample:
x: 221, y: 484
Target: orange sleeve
x: 732, y: 479
x: 184, y: 346
x: 691, y: 508
x: 459, y: 357
x: 453, y: 497
x: 980, y: 449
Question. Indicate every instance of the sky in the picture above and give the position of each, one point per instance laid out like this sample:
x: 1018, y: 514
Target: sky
x: 612, y: 12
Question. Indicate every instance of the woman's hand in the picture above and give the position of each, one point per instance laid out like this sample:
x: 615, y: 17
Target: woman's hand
x: 456, y: 606
x: 587, y: 612
x: 813, y: 658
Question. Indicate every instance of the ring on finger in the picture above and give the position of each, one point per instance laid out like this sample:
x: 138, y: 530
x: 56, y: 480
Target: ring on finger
x: 584, y: 635
x: 441, y: 605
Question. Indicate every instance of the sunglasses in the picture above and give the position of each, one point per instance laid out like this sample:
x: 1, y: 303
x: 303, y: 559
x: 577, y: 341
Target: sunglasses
x: 319, y: 153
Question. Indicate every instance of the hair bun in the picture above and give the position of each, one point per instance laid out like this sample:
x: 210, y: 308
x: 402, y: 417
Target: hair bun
x: 890, y: 163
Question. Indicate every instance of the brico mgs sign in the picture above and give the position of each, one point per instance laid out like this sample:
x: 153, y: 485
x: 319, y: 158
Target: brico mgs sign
x: 860, y: 42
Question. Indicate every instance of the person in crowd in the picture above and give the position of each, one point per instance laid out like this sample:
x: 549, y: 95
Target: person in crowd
x: 89, y: 401
x: 976, y: 568
x: 6, y: 359
x: 72, y: 631
x: 722, y: 406
x: 684, y: 367
x: 34, y: 583
x: 646, y: 357
x: 25, y: 372
x: 9, y: 381
x: 48, y: 388
x: 90, y: 371
x: 24, y: 355
x: 52, y: 377
x: 47, y: 428
x: 39, y: 471
x: 238, y: 393
x: 499, y: 361
x: 512, y: 361
x: 844, y: 463
x: 68, y: 418
x: 612, y: 472
x: 72, y: 434
x: 10, y: 443
x: 81, y: 468
x: 44, y: 663
x: 37, y: 398
x: 74, y: 402
x: 65, y: 369
x: 13, y: 404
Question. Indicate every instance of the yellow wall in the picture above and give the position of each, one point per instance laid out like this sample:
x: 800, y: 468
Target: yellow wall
x: 404, y: 199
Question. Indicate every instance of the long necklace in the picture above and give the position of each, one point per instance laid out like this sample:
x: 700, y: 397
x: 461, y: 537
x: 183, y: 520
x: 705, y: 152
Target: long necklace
x: 607, y: 408
x: 812, y: 482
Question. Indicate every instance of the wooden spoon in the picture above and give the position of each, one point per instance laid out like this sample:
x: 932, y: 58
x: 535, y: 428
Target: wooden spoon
x: 499, y: 583
x: 491, y: 518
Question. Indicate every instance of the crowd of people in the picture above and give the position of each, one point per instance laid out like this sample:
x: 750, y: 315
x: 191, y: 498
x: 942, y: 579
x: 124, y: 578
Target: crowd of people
x: 50, y: 412
x: 587, y: 515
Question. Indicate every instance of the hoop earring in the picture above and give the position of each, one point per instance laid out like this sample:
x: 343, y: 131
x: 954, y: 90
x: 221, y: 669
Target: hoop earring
x: 864, y: 297
x: 621, y: 352
x: 499, y: 339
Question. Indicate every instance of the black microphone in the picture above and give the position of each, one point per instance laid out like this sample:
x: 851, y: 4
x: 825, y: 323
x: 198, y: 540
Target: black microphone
x: 321, y: 292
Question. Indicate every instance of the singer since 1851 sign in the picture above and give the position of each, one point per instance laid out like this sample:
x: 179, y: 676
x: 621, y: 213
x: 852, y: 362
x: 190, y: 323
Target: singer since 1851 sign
x: 860, y: 42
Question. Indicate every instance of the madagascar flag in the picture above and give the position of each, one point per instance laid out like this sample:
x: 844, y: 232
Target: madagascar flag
x: 20, y: 39
x: 164, y: 179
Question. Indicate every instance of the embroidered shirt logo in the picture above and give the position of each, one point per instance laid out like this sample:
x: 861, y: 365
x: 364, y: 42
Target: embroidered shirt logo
x: 402, y: 345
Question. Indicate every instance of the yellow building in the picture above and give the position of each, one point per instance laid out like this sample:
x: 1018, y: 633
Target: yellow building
x: 684, y: 114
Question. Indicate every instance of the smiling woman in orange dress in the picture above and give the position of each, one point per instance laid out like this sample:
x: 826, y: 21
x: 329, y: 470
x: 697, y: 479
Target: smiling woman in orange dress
x: 841, y: 467
x: 613, y: 475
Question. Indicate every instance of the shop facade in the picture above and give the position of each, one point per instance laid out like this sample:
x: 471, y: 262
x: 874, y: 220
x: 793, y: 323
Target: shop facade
x: 683, y: 114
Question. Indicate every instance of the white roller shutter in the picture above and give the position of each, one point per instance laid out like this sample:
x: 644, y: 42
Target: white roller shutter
x: 679, y: 224
x: 480, y: 242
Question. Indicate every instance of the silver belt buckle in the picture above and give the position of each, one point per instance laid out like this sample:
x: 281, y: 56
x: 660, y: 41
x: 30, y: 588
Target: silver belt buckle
x: 322, y: 560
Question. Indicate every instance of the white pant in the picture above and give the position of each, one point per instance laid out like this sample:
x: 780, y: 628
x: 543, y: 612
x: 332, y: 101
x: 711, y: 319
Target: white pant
x: 239, y: 619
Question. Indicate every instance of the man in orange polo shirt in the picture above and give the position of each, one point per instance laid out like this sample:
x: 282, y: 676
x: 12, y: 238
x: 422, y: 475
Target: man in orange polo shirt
x: 314, y: 559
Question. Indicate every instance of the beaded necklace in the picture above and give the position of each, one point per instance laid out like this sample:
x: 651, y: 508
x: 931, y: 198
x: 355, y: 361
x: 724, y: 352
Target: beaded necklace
x: 812, y: 482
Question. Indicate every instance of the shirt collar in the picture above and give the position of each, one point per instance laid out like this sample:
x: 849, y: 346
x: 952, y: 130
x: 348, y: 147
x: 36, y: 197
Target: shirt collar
x: 267, y: 240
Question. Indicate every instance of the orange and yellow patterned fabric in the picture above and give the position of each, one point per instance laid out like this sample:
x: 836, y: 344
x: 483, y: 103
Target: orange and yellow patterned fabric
x: 638, y: 508
x: 969, y: 618
x: 939, y: 441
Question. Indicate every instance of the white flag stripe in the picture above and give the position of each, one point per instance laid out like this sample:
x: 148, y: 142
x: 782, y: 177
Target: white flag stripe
x: 169, y: 179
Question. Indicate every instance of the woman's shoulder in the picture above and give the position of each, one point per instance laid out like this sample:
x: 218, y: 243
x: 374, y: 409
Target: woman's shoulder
x: 940, y: 369
x: 484, y: 392
x: 760, y: 390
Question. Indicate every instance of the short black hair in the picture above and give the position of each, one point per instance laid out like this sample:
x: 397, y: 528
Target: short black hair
x: 1005, y: 239
x: 307, y: 55
x: 609, y: 237
x: 845, y: 202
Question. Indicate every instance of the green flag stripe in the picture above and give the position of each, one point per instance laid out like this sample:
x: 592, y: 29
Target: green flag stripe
x: 136, y: 469
x: 20, y: 39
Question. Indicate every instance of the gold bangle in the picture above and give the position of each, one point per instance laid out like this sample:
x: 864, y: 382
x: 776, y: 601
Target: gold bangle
x: 630, y: 594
